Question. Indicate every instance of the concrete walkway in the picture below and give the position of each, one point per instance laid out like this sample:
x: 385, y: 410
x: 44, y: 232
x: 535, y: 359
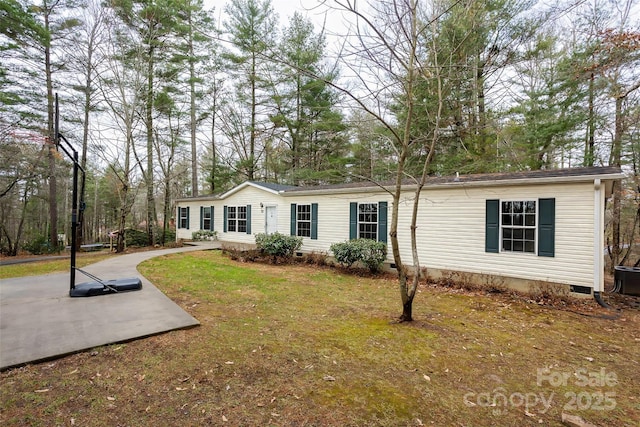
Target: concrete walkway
x: 38, y: 319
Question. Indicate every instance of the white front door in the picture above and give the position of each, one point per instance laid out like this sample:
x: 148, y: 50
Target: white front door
x: 271, y: 221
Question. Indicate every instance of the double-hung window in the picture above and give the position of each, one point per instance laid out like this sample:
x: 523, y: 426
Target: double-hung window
x: 518, y: 223
x: 207, y: 218
x: 237, y: 219
x: 242, y: 219
x: 303, y: 220
x: 368, y: 221
x: 232, y: 220
x: 522, y: 226
x: 183, y: 217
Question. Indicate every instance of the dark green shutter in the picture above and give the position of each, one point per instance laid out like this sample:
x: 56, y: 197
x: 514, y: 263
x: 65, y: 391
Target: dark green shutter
x: 353, y: 220
x: 211, y: 227
x: 314, y: 221
x: 187, y: 217
x: 492, y: 226
x: 382, y: 222
x: 201, y: 217
x: 178, y: 210
x: 294, y: 211
x: 248, y: 219
x: 224, y: 219
x: 546, y: 227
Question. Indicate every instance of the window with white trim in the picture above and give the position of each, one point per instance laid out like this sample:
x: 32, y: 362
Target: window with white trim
x: 231, y: 218
x: 206, y: 218
x: 518, y: 226
x: 237, y: 219
x: 368, y: 221
x: 303, y: 220
x: 183, y: 217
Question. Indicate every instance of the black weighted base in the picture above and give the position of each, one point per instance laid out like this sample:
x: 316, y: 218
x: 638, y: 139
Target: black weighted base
x: 92, y: 289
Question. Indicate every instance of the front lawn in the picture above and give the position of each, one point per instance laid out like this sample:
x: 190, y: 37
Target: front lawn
x: 310, y: 346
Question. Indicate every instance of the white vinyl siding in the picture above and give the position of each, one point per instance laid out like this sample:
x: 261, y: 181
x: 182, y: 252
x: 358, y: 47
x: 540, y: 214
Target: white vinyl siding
x: 450, y: 229
x: 248, y: 196
x: 455, y: 236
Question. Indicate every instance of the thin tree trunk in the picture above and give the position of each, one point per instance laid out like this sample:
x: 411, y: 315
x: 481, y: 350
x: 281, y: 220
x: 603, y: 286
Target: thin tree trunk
x: 591, y: 125
x: 13, y: 251
x: 124, y: 200
x: 95, y: 233
x: 616, y: 160
x: 151, y: 208
x: 85, y: 140
x: 252, y: 135
x: 166, y: 209
x: 212, y: 175
x: 192, y: 89
x: 51, y: 155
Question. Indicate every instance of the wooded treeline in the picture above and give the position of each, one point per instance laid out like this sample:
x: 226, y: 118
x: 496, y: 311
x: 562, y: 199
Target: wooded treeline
x: 165, y: 99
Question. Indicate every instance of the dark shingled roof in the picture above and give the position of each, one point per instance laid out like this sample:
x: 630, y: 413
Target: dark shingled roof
x: 486, y: 177
x: 274, y: 187
x: 438, y: 180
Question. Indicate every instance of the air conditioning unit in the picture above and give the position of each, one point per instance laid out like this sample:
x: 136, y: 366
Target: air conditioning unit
x: 627, y: 280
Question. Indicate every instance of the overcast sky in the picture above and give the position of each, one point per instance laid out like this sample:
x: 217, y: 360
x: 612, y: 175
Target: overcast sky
x: 312, y: 9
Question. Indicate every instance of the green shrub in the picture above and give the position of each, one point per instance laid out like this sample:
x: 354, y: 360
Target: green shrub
x: 135, y: 237
x: 169, y: 235
x: 38, y: 245
x: 368, y: 252
x: 204, y: 235
x: 278, y: 245
x: 346, y: 253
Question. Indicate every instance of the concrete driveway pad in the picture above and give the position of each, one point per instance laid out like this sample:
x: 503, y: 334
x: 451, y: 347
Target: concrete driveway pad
x: 38, y: 319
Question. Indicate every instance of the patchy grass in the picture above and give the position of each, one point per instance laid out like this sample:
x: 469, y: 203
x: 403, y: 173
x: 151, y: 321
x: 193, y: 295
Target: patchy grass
x: 308, y: 346
x: 36, y: 268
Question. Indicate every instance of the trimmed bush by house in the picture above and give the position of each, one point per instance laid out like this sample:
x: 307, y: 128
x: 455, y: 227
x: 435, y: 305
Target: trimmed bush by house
x: 278, y: 245
x: 366, y: 251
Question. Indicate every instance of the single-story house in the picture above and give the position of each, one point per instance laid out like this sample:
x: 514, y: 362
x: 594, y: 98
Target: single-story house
x: 522, y: 229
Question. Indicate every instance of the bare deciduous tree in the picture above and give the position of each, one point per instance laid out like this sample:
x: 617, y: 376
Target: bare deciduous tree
x: 391, y: 49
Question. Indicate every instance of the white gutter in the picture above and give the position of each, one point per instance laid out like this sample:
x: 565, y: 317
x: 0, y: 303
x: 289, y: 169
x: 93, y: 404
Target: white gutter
x: 452, y: 183
x: 598, y: 236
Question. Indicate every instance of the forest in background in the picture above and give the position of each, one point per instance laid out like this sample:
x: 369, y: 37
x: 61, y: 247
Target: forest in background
x: 166, y: 99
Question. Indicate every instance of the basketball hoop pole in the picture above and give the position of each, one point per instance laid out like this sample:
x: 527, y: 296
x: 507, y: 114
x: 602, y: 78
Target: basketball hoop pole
x: 99, y: 286
x: 73, y: 155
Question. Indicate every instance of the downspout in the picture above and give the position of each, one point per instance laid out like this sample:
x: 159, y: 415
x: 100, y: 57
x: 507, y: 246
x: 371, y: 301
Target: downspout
x: 598, y: 242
